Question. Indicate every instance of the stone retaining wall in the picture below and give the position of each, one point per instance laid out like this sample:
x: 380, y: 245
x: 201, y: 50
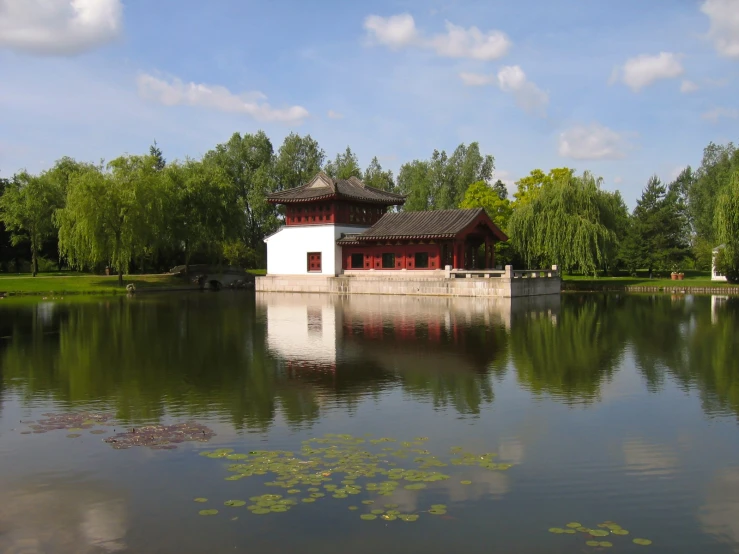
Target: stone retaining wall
x: 471, y: 287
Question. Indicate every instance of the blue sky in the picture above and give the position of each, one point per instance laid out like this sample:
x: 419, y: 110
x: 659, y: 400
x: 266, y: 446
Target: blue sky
x: 624, y: 88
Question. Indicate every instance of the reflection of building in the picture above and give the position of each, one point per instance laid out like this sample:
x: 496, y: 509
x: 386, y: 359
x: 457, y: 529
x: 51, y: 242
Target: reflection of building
x: 716, y: 275
x: 322, y: 332
x: 716, y: 303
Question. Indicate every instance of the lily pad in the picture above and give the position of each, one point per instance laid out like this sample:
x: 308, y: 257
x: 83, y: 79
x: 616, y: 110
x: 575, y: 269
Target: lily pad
x: 71, y: 435
x: 408, y: 517
x: 437, y: 512
x: 308, y: 500
x: 620, y: 532
x: 570, y: 531
x: 556, y: 530
x: 200, y: 499
x: 466, y: 482
x: 377, y: 512
x: 642, y: 542
x: 368, y: 517
x: 598, y: 533
x: 574, y: 525
x: 368, y: 502
x: 605, y: 544
x: 261, y: 511
x: 208, y: 512
x: 592, y: 543
x: 234, y: 503
x: 352, y: 508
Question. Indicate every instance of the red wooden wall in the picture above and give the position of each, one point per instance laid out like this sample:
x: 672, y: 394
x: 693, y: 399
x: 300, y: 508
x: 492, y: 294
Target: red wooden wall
x: 321, y: 213
x: 404, y: 256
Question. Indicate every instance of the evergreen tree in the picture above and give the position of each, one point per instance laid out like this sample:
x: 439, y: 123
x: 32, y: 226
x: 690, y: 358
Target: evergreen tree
x: 156, y: 154
x: 375, y: 176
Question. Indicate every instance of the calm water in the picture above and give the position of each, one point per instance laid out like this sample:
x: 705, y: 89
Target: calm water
x: 621, y: 408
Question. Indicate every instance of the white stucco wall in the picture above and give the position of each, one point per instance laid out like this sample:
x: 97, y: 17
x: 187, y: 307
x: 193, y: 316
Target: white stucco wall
x: 715, y: 275
x: 287, y: 249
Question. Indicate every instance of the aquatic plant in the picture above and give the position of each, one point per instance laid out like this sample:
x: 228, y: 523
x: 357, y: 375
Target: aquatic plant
x: 343, y: 466
x: 605, y: 529
x: 161, y: 437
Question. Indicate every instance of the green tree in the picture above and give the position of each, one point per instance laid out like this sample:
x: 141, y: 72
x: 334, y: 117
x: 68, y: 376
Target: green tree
x: 726, y: 223
x: 375, y: 176
x: 568, y: 223
x: 344, y: 166
x: 248, y: 163
x: 155, y: 152
x: 658, y: 232
x: 500, y: 189
x: 441, y: 182
x: 531, y: 185
x: 203, y: 207
x: 482, y: 195
x: 298, y: 161
x: 718, y: 165
x: 26, y: 209
x: 109, y: 215
x: 414, y: 181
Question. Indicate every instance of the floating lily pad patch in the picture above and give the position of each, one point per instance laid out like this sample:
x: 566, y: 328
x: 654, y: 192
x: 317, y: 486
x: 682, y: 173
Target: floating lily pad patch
x: 74, y: 422
x: 601, y: 530
x: 157, y: 436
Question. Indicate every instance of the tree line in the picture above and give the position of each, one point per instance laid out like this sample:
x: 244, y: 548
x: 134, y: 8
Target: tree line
x: 142, y: 213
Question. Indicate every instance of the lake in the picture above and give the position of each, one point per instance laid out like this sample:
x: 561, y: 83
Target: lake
x: 473, y: 426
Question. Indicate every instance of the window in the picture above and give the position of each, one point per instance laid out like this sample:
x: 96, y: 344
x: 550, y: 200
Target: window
x: 357, y: 261
x: 314, y: 262
x: 421, y: 260
x: 388, y: 261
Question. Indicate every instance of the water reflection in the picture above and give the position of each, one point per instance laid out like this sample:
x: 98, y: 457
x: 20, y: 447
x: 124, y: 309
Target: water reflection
x: 62, y: 516
x: 250, y: 359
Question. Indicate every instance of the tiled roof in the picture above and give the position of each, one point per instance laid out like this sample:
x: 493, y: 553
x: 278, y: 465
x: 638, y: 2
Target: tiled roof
x: 322, y: 187
x: 429, y: 224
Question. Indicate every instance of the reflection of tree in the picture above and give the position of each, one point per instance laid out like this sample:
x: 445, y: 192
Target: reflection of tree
x: 709, y: 353
x: 568, y: 356
x: 196, y: 355
x: 450, y: 365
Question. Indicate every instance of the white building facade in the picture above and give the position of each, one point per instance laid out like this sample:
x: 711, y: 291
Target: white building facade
x: 715, y: 274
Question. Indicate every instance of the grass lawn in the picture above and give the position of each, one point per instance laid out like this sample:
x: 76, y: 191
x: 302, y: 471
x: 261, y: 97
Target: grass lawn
x: 692, y: 279
x: 69, y: 283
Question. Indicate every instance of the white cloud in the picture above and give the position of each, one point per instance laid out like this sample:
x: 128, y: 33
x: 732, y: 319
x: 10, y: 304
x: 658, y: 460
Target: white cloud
x: 592, y: 142
x: 688, y: 86
x: 335, y: 115
x: 719, y: 113
x: 476, y: 79
x: 724, y: 29
x: 398, y: 31
x: 395, y: 31
x: 175, y: 92
x: 471, y: 43
x: 59, y: 27
x: 643, y: 70
x: 529, y: 97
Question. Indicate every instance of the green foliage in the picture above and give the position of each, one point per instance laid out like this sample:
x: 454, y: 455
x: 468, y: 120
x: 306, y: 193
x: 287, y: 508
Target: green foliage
x: 375, y: 176
x: 248, y: 165
x: 441, y: 182
x: 26, y: 209
x: 111, y: 216
x: 298, y: 160
x: 718, y: 165
x: 657, y: 235
x: 344, y: 166
x: 482, y: 195
x: 570, y: 222
x: 726, y: 225
x: 530, y: 186
x: 159, y: 161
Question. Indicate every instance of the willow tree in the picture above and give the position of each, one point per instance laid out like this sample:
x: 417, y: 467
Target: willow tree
x: 726, y: 224
x: 570, y: 223
x: 110, y: 216
x: 26, y: 209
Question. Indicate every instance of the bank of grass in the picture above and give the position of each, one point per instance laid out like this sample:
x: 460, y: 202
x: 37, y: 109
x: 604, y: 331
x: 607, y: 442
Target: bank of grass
x: 693, y: 279
x: 77, y: 283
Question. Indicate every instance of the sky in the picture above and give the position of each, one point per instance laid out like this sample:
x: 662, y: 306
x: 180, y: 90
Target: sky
x: 626, y: 89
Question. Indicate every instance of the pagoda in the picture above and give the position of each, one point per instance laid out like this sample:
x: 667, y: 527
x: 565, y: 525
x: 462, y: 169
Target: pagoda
x: 337, y: 226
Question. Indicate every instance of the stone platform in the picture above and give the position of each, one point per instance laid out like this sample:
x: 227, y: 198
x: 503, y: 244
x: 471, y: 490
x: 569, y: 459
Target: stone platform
x: 482, y: 283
